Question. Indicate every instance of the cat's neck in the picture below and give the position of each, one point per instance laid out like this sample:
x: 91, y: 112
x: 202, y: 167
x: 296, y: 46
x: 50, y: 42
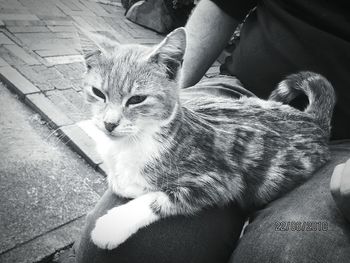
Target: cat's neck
x: 172, y: 126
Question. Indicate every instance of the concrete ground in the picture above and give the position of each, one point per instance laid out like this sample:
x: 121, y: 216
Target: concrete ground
x: 45, y: 188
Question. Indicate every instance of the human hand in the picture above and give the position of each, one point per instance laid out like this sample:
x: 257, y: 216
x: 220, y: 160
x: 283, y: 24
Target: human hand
x: 340, y: 187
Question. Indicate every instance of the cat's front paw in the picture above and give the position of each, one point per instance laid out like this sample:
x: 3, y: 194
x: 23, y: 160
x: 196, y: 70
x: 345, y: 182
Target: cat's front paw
x: 112, y: 229
x: 121, y: 222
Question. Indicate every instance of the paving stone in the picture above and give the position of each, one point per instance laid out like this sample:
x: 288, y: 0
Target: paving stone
x: 11, y: 4
x: 56, y: 52
x: 5, y: 40
x: 3, y: 63
x: 71, y: 103
x: 28, y: 29
x: 77, y: 85
x: 112, y: 7
x: 48, y: 73
x: 60, y: 83
x: 41, y: 104
x: 82, y: 144
x: 17, y: 82
x: 37, y: 41
x: 119, y: 26
x: 65, y: 6
x: 24, y: 23
x: 40, y: 75
x: 22, y: 54
x: 64, y: 59
x: 72, y: 71
x: 18, y: 17
x: 58, y: 22
x: 98, y: 23
x: 96, y: 8
x: 37, y: 36
x: 63, y: 35
x: 82, y: 23
x: 53, y: 17
x: 9, y: 57
x: 74, y: 5
x: 62, y: 28
x: 14, y: 10
x: 39, y: 7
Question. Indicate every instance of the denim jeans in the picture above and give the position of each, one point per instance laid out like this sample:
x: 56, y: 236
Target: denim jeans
x: 302, y: 226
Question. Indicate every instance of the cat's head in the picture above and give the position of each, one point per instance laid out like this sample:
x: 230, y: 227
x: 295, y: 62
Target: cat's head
x: 132, y: 88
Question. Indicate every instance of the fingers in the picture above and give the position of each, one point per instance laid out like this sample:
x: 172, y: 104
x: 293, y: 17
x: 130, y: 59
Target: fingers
x: 336, y: 181
x: 345, y: 181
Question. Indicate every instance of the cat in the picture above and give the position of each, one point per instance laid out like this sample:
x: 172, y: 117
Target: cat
x: 175, y: 153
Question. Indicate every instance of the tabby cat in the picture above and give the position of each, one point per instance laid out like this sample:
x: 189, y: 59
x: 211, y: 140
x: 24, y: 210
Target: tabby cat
x: 175, y: 153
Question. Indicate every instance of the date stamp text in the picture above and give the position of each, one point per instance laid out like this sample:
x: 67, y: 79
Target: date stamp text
x: 301, y: 226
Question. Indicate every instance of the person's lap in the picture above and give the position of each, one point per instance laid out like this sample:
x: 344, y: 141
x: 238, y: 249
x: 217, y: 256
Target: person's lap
x: 212, y: 235
x: 209, y: 236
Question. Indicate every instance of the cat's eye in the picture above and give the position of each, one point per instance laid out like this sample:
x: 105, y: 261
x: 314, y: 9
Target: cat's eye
x: 99, y: 93
x: 135, y: 100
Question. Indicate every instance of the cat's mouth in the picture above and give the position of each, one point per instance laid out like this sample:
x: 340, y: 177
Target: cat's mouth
x: 117, y: 134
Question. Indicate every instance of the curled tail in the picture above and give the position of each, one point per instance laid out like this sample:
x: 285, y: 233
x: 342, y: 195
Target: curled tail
x: 317, y: 88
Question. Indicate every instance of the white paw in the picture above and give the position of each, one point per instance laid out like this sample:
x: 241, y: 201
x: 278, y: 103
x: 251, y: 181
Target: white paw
x: 111, y: 229
x: 120, y: 223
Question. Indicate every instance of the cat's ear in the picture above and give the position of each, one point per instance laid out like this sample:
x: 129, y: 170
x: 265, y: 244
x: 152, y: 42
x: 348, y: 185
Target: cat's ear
x: 170, y: 52
x: 92, y: 45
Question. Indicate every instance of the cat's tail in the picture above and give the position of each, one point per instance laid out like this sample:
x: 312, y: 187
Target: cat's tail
x: 317, y: 88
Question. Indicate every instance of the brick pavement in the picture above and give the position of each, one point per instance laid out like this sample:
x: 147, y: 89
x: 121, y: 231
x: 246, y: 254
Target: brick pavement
x: 40, y: 58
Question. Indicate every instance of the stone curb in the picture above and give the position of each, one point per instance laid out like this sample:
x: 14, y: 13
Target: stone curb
x: 50, y: 113
x: 17, y: 82
x: 81, y: 143
x: 72, y: 135
x: 102, y: 168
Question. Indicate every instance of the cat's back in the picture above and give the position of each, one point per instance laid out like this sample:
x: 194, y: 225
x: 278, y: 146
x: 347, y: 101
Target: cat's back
x: 225, y: 114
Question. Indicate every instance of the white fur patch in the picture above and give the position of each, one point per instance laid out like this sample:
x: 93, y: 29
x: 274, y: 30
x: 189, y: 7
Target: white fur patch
x: 121, y: 222
x: 125, y: 158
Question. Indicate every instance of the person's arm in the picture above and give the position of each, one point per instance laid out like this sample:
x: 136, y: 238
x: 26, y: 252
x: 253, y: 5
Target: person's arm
x: 208, y: 30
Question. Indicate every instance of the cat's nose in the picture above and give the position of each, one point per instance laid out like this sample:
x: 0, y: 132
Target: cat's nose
x: 110, y: 126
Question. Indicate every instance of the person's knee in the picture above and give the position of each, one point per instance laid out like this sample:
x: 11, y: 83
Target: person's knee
x: 288, y: 238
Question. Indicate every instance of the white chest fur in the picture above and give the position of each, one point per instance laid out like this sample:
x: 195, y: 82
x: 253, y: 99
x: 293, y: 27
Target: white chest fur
x: 125, y: 160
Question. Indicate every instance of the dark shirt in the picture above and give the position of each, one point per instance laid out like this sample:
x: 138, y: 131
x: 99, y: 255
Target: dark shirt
x: 285, y: 36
